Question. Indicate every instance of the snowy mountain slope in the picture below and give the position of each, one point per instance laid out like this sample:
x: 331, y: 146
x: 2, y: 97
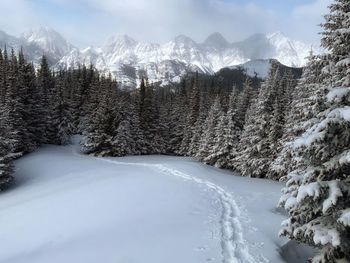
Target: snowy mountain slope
x: 128, y: 59
x: 182, y: 54
x: 36, y: 43
x: 275, y: 46
x: 288, y: 52
x: 32, y: 51
x: 136, y: 209
x: 9, y: 41
x: 259, y: 67
x: 50, y: 41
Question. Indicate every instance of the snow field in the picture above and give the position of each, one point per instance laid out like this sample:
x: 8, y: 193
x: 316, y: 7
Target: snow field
x: 68, y: 207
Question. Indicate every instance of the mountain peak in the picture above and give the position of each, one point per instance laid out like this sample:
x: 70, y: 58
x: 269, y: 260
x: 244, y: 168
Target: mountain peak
x: 47, y: 30
x: 125, y: 58
x: 49, y: 40
x: 119, y: 43
x: 183, y: 39
x: 276, y: 35
x: 216, y: 40
x: 122, y: 38
x: 42, y: 32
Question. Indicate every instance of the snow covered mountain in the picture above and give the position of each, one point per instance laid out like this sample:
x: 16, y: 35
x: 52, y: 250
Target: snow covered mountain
x: 258, y: 67
x: 35, y: 43
x: 32, y: 51
x: 127, y: 59
x: 51, y: 42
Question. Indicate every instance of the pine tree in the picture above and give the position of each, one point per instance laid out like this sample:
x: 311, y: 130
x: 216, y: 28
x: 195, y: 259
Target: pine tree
x: 199, y: 125
x: 208, y: 139
x: 242, y: 102
x: 135, y: 125
x: 278, y: 134
x: 220, y: 155
x: 61, y: 119
x: 317, y: 192
x: 45, y: 83
x: 191, y: 118
x: 122, y: 142
x: 102, y: 125
x: 177, y: 119
x: 197, y: 132
x: 13, y: 123
x: 149, y: 119
x: 6, y: 178
x: 254, y: 153
x: 301, y: 111
x: 91, y: 103
x: 227, y: 133
x: 137, y: 133
x: 27, y: 94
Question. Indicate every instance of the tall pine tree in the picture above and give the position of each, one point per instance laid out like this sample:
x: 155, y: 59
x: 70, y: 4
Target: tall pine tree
x: 317, y: 194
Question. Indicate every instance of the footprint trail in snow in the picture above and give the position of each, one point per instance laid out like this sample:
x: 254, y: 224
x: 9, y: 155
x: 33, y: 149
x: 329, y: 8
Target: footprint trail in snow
x: 234, y: 247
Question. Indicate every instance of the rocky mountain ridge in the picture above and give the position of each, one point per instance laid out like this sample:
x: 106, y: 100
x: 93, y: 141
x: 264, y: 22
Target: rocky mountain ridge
x: 127, y: 59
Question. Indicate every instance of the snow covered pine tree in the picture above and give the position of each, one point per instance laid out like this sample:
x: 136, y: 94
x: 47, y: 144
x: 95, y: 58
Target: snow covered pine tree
x: 317, y: 194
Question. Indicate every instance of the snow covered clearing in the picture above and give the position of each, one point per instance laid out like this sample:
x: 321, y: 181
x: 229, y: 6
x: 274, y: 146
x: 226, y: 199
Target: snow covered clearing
x: 73, y: 208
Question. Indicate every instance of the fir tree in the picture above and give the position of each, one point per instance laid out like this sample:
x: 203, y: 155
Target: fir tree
x: 122, y: 142
x: 254, y: 155
x: 227, y: 134
x: 102, y: 125
x: 6, y: 178
x: 208, y: 139
x: 27, y: 94
x: 300, y: 111
x: 191, y: 118
x: 177, y: 119
x: 61, y: 119
x: 317, y: 192
x: 45, y: 84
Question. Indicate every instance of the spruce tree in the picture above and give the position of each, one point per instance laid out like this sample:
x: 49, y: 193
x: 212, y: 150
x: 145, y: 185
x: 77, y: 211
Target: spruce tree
x: 177, y: 119
x: 207, y: 142
x: 135, y: 125
x: 28, y: 100
x: 227, y: 132
x: 102, y: 124
x: 122, y: 142
x: 61, y: 119
x: 6, y: 169
x: 199, y: 125
x: 281, y: 108
x: 254, y: 153
x: 149, y: 119
x: 191, y: 118
x: 300, y: 115
x: 45, y: 83
x: 317, y: 192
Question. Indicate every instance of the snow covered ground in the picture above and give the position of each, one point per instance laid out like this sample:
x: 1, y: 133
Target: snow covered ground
x: 73, y: 208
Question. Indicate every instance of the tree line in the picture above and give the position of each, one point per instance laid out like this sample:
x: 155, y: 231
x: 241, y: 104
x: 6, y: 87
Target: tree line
x: 39, y: 106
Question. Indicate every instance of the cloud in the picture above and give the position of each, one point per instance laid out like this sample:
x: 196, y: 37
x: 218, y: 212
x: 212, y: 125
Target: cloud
x: 312, y: 10
x: 87, y: 22
x: 161, y: 20
x: 17, y: 16
x: 305, y: 19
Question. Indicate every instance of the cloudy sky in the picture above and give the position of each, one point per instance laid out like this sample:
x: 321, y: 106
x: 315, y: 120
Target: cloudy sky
x: 91, y: 22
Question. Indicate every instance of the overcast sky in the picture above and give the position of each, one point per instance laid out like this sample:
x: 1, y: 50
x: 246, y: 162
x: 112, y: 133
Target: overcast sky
x: 91, y: 22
